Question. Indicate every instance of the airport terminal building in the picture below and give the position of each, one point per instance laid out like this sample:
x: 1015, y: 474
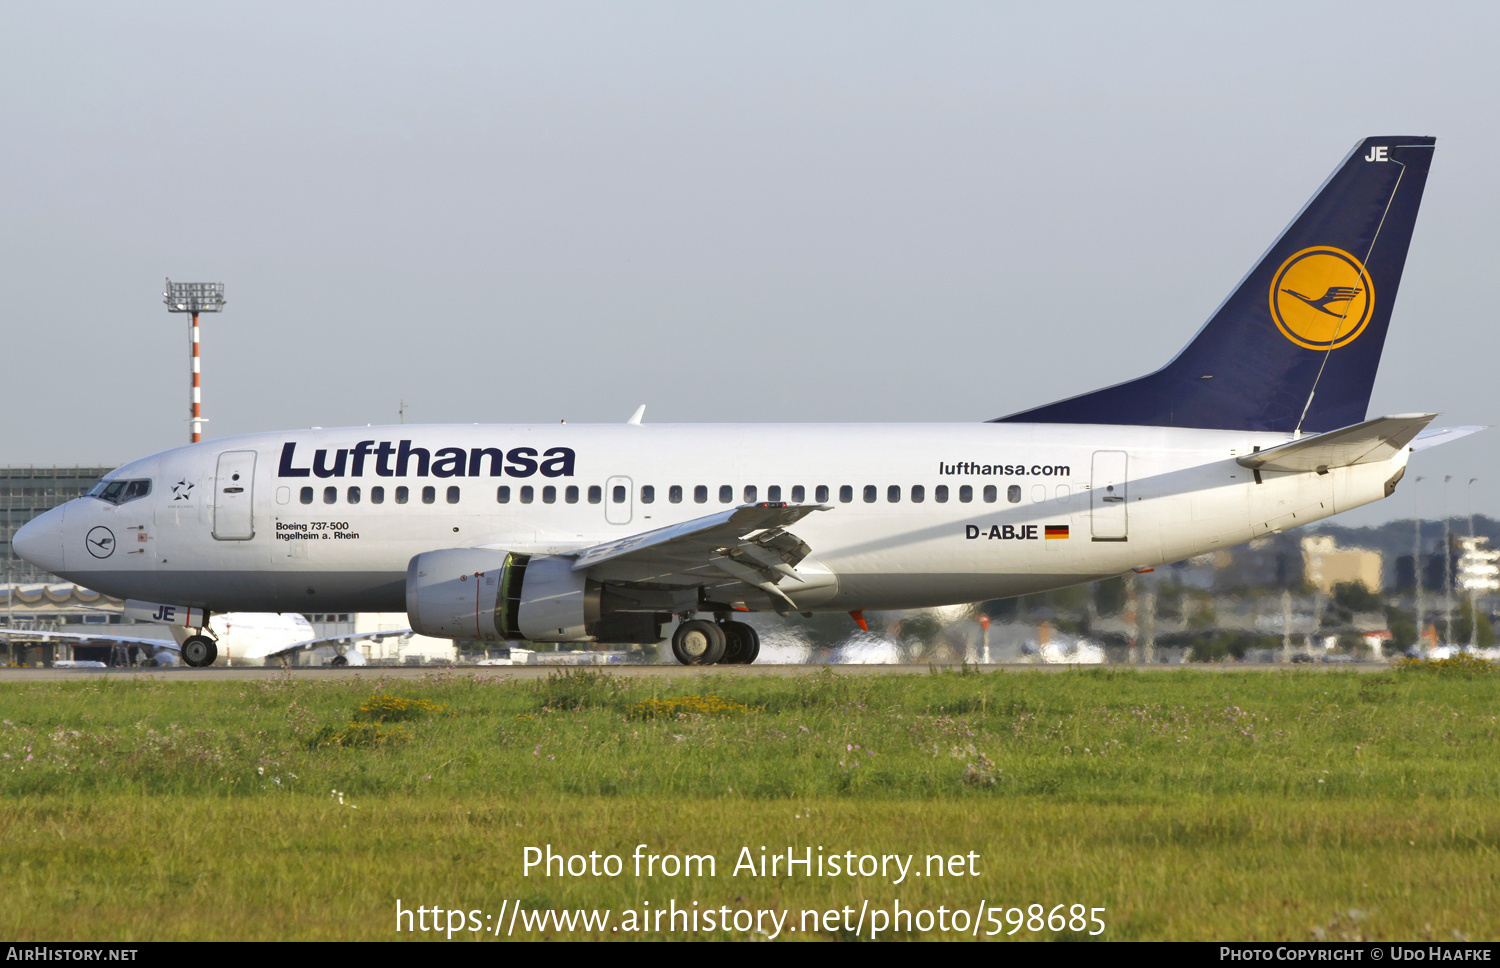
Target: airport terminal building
x: 26, y: 492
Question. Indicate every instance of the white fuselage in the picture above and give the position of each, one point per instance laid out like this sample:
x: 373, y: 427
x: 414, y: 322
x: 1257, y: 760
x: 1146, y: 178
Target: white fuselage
x: 299, y: 529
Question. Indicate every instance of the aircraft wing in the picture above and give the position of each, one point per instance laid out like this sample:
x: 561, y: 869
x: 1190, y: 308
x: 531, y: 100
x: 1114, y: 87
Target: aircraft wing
x: 1362, y: 443
x: 333, y: 640
x: 102, y: 639
x: 747, y: 544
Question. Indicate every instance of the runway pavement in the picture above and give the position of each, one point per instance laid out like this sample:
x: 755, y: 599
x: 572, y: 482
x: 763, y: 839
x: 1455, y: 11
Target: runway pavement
x: 219, y: 673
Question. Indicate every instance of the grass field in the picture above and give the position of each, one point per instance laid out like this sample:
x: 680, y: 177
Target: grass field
x: 1189, y: 805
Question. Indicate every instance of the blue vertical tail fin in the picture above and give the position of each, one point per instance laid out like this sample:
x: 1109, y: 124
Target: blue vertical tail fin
x: 1297, y: 344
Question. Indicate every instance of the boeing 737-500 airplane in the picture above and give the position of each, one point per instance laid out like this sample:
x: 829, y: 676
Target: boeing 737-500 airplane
x: 568, y: 533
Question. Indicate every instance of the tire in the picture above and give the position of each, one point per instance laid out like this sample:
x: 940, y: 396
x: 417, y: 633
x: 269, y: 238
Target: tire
x: 339, y: 662
x: 741, y: 643
x: 698, y: 643
x: 199, y: 651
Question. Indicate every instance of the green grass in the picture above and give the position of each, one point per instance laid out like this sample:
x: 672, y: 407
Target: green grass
x: 1188, y: 805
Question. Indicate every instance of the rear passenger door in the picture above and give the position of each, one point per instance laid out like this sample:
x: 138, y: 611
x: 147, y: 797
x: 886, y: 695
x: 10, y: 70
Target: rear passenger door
x: 1108, y: 498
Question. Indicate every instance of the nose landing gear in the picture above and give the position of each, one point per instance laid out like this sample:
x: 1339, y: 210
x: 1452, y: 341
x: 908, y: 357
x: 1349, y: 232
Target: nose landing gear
x: 199, y: 651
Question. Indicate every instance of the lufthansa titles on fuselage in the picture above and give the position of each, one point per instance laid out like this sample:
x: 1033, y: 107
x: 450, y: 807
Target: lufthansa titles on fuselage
x: 401, y: 459
x: 1005, y: 470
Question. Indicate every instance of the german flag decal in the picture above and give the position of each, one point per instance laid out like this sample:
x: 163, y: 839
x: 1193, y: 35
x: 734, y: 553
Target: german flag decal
x: 1057, y: 531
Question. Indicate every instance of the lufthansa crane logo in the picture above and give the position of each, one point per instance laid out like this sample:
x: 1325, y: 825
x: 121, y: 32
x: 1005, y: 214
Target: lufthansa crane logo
x: 101, y: 542
x: 1321, y: 298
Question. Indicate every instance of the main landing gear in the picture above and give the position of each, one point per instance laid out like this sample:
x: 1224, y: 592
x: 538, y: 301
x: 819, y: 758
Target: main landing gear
x: 199, y: 651
x: 699, y: 642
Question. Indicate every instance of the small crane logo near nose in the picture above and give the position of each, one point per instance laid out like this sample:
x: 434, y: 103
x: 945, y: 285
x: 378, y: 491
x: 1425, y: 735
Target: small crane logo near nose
x: 101, y: 542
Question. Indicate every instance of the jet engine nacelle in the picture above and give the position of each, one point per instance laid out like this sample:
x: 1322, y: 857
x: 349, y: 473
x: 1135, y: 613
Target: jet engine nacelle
x: 496, y: 596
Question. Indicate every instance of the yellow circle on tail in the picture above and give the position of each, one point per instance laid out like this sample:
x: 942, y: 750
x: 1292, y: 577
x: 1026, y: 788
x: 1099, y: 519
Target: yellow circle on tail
x: 1321, y: 298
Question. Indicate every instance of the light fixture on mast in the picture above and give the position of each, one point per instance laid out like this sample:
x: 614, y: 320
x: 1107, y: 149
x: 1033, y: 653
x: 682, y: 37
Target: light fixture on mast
x: 195, y: 298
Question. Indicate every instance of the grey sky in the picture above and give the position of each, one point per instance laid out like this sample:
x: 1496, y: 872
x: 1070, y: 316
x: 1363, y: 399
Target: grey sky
x: 757, y: 212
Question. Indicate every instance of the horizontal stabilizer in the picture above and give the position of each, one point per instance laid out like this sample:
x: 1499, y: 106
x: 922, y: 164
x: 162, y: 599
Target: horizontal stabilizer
x: 1442, y: 435
x: 1363, y: 443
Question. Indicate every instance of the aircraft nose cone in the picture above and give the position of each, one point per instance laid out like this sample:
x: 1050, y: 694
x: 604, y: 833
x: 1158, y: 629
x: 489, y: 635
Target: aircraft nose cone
x: 40, y: 541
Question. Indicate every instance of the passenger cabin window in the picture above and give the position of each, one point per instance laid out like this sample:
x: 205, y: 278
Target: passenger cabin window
x: 571, y: 494
x: 966, y: 493
x: 726, y: 493
x: 596, y: 493
x: 1038, y: 493
x: 502, y: 494
x: 991, y: 495
x: 799, y: 494
x: 918, y: 494
x: 528, y: 494
x: 940, y: 494
x: 429, y: 494
x: 330, y: 495
x: 750, y: 494
x: 846, y: 494
x: 871, y: 493
x: 1013, y: 494
x: 353, y: 496
x: 306, y: 496
x: 549, y: 494
x: 674, y: 494
x: 700, y: 494
x: 402, y: 494
x: 617, y: 494
x: 648, y: 493
x: 377, y: 495
x: 453, y: 494
x: 773, y: 494
x: 893, y: 494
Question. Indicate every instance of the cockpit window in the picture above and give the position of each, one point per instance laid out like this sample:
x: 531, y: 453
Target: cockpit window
x: 119, y: 492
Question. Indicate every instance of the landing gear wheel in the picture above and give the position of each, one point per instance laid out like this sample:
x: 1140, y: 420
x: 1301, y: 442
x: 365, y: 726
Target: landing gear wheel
x: 741, y: 643
x: 339, y: 662
x: 199, y: 651
x: 698, y: 643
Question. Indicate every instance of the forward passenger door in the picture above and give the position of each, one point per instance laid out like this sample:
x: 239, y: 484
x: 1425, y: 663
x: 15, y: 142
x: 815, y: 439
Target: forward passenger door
x: 234, y: 496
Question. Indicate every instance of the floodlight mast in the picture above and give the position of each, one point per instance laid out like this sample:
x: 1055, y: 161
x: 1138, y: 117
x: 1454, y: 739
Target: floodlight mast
x: 195, y: 298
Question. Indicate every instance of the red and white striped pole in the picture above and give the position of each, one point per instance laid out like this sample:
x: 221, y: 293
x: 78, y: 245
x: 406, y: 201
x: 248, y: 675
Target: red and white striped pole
x: 197, y: 396
x: 195, y: 297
